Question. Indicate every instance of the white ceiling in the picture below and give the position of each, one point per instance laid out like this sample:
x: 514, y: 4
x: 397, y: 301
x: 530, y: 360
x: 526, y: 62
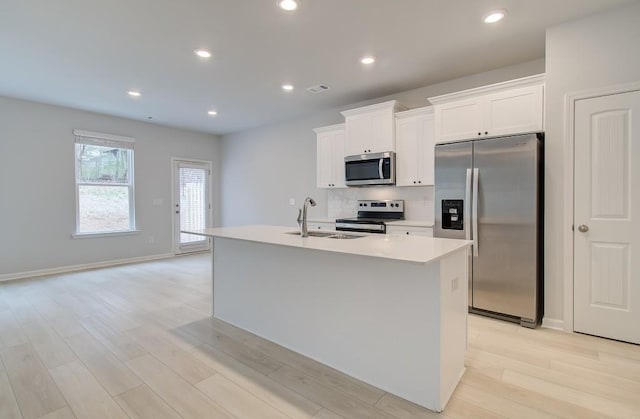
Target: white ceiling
x: 88, y: 54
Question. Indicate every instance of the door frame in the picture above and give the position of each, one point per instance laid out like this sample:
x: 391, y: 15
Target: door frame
x: 174, y: 246
x: 570, y: 100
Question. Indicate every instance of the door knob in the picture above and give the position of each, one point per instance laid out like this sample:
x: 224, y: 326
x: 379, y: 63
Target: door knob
x: 583, y: 228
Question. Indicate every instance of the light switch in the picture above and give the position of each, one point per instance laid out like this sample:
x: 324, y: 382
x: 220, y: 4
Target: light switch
x: 292, y: 201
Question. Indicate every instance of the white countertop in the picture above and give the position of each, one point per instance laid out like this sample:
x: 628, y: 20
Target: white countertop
x: 416, y: 249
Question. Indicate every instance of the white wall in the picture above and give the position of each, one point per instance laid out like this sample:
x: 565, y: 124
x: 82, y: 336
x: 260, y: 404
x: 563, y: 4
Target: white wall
x: 593, y: 52
x: 37, y: 189
x: 264, y: 167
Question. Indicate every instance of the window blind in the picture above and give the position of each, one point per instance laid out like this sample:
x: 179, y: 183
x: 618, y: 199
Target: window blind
x: 104, y: 140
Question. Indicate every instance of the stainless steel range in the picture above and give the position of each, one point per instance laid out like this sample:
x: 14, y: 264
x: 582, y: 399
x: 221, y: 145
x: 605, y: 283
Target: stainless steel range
x: 372, y: 216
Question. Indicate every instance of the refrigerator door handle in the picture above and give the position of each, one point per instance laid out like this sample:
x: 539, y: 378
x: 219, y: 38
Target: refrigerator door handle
x: 467, y: 199
x: 474, y: 217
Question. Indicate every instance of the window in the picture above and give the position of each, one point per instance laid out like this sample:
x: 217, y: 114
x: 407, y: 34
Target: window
x: 104, y: 183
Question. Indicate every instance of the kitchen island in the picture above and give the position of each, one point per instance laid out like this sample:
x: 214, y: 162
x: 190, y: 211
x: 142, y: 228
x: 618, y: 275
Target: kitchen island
x: 388, y: 310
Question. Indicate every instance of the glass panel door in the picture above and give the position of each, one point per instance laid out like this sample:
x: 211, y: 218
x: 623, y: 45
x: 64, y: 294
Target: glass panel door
x: 192, y: 205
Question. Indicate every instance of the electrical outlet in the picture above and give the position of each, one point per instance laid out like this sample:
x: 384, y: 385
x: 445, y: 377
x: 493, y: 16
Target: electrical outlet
x: 152, y: 239
x: 292, y: 201
x: 454, y: 284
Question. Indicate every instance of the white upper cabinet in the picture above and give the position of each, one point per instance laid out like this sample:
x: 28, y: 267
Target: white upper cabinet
x: 459, y: 120
x: 415, y: 147
x: 512, y: 107
x: 330, y: 156
x: 370, y: 129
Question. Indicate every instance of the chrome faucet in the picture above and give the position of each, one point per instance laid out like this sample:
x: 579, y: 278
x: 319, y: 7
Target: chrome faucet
x: 304, y: 232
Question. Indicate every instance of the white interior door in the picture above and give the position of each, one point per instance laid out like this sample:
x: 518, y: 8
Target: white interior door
x: 192, y: 205
x: 607, y: 216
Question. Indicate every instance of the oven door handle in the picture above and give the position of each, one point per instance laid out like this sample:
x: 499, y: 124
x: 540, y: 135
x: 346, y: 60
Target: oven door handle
x: 342, y: 226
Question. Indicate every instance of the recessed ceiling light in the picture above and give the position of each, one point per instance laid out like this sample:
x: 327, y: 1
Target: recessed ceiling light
x: 134, y: 93
x: 202, y: 53
x: 288, y: 5
x: 287, y: 87
x: 495, y: 16
x: 368, y: 60
x: 212, y: 113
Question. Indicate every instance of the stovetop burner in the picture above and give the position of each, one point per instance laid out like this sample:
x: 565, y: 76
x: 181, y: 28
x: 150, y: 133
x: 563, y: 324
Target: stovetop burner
x: 372, y: 216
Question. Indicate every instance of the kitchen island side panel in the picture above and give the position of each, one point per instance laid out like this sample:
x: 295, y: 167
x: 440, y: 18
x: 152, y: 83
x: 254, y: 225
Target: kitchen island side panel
x: 454, y: 279
x: 375, y: 319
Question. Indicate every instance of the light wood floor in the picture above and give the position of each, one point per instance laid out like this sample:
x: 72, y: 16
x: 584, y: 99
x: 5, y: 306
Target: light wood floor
x: 138, y: 341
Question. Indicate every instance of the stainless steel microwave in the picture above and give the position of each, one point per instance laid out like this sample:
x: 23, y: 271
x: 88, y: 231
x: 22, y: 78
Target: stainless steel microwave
x: 370, y: 169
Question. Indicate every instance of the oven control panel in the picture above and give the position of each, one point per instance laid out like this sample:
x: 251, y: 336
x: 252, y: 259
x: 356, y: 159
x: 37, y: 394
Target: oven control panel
x: 396, y: 205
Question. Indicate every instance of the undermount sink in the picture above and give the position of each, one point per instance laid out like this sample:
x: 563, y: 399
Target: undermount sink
x: 312, y: 233
x: 338, y: 236
x: 345, y: 236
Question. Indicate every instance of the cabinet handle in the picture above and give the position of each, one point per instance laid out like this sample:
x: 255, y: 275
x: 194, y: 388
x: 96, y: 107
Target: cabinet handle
x: 414, y: 181
x: 479, y: 133
x: 419, y: 181
x: 486, y: 132
x: 407, y: 233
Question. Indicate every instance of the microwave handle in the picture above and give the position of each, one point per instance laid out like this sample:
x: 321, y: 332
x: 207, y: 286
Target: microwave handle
x: 380, y: 162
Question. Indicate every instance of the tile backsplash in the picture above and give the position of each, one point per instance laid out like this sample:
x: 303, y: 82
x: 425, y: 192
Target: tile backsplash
x: 418, y: 201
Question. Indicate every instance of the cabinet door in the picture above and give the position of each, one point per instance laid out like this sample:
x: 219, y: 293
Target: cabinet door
x: 459, y: 120
x: 383, y: 135
x: 410, y: 231
x: 338, y: 159
x: 359, y: 132
x: 407, y: 133
x: 325, y: 160
x: 414, y: 150
x: 317, y: 225
x: 514, y: 111
x: 425, y: 150
x: 370, y: 132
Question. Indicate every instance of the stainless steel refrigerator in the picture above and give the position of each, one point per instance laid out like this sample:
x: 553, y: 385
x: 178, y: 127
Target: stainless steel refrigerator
x: 491, y: 191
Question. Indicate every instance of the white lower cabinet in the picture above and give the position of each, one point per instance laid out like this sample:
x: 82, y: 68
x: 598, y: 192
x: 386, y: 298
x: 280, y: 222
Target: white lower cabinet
x: 409, y: 231
x: 321, y: 225
x: 415, y: 147
x: 330, y: 156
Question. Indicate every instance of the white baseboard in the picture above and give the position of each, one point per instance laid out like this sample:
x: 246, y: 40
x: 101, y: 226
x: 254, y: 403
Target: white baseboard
x: 553, y: 323
x: 82, y: 267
